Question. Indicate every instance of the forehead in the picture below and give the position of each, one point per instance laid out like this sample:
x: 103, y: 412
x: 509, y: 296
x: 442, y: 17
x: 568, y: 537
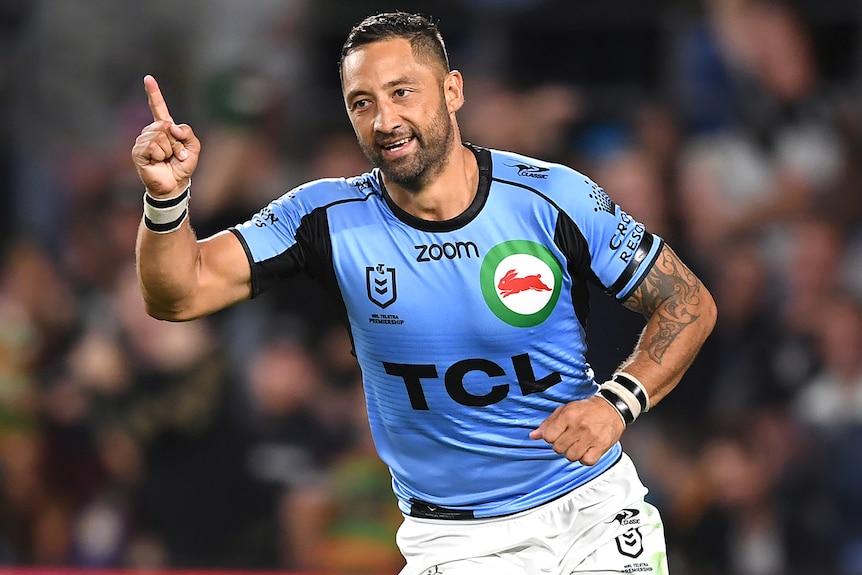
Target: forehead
x: 380, y: 62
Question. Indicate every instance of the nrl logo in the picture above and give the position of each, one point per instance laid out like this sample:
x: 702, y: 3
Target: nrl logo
x: 380, y: 285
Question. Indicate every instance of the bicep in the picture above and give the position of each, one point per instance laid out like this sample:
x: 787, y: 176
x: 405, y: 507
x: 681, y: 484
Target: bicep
x: 669, y: 284
x: 679, y: 310
x: 224, y: 274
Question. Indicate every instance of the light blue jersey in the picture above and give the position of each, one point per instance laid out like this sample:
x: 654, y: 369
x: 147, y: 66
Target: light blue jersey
x: 469, y: 332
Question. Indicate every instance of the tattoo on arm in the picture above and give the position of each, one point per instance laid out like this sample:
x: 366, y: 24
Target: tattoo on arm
x: 671, y: 292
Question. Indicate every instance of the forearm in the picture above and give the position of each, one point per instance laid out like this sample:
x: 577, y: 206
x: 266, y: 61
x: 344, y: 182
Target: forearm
x: 680, y: 314
x: 181, y: 278
x: 664, y: 352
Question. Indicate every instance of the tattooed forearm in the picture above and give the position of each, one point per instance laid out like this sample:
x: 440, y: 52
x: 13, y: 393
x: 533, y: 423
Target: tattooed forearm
x: 669, y: 295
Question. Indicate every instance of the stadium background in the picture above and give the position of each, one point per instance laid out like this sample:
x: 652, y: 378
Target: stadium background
x: 733, y: 128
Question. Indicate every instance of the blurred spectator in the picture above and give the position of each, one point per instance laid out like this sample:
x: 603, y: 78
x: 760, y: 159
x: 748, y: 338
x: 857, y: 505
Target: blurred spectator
x: 250, y: 65
x: 347, y: 522
x: 75, y: 67
x: 743, y: 489
x: 778, y: 154
x: 833, y: 396
x: 746, y: 334
x: 33, y: 528
x: 829, y: 407
x: 195, y: 498
x: 810, y: 272
x: 41, y: 304
x: 294, y: 438
x: 141, y: 446
x: 534, y: 121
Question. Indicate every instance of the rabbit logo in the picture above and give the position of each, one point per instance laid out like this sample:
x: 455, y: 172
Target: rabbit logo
x: 521, y: 282
x: 511, y: 283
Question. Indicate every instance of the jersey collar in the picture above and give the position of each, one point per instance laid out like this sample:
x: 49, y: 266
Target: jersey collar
x: 483, y: 159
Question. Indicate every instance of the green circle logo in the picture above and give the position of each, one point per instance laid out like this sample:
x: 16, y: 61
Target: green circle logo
x: 521, y: 282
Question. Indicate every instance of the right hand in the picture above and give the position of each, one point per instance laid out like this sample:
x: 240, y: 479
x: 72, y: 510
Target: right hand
x: 582, y: 430
x: 165, y: 154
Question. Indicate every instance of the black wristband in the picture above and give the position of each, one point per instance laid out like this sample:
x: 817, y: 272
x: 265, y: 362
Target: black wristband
x: 617, y: 402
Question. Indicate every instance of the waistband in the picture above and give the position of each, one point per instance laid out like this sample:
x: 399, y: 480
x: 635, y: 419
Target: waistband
x: 426, y: 510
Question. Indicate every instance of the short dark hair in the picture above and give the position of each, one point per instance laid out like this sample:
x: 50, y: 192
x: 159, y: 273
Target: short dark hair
x: 420, y: 31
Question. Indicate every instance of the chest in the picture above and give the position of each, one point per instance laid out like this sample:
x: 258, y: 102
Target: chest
x: 493, y: 272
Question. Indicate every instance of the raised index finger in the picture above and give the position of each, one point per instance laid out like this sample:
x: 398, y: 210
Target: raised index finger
x: 155, y: 99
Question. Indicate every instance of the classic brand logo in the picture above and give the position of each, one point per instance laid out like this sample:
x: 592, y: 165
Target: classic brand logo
x: 627, y: 517
x: 380, y: 285
x: 521, y: 282
x: 362, y: 184
x: 530, y: 171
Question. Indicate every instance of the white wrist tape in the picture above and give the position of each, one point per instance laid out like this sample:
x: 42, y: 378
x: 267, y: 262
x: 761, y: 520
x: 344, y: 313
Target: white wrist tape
x: 165, y: 215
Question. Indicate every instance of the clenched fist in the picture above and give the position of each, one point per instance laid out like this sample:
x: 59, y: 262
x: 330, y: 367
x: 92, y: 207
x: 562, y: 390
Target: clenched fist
x: 582, y: 430
x: 165, y: 154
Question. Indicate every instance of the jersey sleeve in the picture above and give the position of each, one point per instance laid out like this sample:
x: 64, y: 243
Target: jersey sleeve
x: 622, y: 250
x: 279, y: 238
x: 272, y: 231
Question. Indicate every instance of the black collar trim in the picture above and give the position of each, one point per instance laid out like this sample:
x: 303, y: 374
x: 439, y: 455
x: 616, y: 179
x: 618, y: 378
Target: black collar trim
x: 483, y: 158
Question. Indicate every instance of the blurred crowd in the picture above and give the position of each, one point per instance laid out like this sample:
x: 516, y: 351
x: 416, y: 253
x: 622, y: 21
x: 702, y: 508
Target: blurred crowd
x: 240, y: 440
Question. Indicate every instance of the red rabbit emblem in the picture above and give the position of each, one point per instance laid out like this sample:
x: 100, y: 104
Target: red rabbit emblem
x: 510, y: 284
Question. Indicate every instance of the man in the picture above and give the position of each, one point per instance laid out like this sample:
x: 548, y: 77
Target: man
x: 461, y: 274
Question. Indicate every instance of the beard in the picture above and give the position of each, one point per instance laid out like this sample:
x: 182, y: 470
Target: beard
x: 415, y: 171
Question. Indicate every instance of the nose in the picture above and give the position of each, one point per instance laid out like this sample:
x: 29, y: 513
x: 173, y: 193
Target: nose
x: 387, y: 119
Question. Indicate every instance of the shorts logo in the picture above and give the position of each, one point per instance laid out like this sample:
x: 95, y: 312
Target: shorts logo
x: 521, y: 282
x: 380, y: 285
x: 627, y: 517
x: 631, y: 543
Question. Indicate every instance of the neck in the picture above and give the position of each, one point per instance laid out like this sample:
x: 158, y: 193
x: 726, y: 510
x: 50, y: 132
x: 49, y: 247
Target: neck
x: 448, y: 195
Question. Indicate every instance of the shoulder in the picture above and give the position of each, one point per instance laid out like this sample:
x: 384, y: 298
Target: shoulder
x: 325, y: 192
x: 534, y: 172
x: 558, y: 182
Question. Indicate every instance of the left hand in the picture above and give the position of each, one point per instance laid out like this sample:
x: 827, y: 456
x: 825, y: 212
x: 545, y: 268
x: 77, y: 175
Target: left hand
x: 582, y: 430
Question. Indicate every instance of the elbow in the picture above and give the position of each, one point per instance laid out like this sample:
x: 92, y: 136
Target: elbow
x: 164, y: 313
x: 709, y: 314
x: 164, y: 305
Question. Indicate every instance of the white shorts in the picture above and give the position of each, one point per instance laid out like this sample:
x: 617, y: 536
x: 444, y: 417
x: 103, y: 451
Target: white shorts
x: 602, y: 527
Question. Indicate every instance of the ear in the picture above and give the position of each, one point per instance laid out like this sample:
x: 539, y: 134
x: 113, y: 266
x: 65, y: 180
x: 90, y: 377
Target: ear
x: 453, y: 90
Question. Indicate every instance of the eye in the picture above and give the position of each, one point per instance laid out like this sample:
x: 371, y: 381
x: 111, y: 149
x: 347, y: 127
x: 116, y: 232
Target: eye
x: 360, y: 104
x: 401, y: 92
